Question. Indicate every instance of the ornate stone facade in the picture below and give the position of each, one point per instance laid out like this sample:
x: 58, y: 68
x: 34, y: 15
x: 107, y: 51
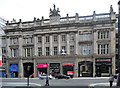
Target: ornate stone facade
x: 88, y: 41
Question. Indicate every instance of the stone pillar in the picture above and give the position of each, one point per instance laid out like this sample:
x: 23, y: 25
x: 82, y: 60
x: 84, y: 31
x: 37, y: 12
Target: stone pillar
x: 68, y: 45
x: 7, y: 68
x: 51, y: 48
x: 43, y: 46
x: 61, y: 68
x: 75, y: 68
x: 8, y: 48
x: 113, y: 65
x: 35, y: 46
x: 35, y: 68
x: 48, y: 68
x: 20, y: 72
x: 20, y: 46
x: 76, y: 43
x: 94, y: 69
x: 59, y: 44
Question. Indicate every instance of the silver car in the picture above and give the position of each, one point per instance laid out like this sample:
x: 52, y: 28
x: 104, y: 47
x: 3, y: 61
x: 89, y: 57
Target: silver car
x: 44, y: 76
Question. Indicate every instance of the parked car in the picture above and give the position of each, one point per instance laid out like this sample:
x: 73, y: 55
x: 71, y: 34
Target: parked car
x: 44, y: 76
x: 62, y: 76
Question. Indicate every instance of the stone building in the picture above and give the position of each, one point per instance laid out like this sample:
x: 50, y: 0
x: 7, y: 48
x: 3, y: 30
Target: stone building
x: 76, y: 45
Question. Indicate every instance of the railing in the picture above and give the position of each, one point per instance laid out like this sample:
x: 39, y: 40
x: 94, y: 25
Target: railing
x: 64, y: 20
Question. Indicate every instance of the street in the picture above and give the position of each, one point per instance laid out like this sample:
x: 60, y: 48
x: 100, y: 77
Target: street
x: 86, y: 81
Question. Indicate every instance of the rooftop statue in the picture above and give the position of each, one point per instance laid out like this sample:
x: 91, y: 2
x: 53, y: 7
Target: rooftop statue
x: 54, y: 12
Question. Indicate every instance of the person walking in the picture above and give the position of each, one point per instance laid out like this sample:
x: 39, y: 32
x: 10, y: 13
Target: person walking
x: 47, y: 81
x: 111, y: 79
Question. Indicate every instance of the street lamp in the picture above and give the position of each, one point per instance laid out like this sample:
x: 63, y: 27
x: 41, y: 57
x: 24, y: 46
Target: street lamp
x: 118, y: 81
x: 28, y: 69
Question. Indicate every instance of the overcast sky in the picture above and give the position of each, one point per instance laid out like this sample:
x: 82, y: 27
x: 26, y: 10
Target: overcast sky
x: 28, y: 9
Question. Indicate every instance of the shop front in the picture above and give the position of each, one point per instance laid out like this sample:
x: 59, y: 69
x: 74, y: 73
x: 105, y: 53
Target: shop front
x: 42, y: 68
x: 85, y: 69
x: 13, y: 70
x: 68, y: 69
x: 103, y: 66
x: 54, y: 68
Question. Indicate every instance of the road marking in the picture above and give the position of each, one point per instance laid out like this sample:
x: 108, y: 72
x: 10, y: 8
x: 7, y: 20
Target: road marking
x: 101, y: 84
x: 19, y: 84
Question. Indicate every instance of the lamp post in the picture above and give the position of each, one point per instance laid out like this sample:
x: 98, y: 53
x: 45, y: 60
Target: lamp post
x: 28, y: 69
x: 118, y: 81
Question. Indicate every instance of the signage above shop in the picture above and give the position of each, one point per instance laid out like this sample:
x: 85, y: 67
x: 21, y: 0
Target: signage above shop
x: 13, y: 68
x: 41, y: 65
x: 104, y: 60
x: 63, y: 64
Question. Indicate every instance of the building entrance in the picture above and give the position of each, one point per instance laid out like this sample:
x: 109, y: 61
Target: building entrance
x: 31, y: 71
x: 85, y: 69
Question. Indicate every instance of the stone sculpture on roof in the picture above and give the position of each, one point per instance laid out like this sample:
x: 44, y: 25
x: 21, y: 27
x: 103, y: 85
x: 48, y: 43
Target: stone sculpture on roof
x: 54, y: 12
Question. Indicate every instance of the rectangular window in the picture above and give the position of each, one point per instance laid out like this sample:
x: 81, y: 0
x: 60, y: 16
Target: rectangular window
x: 107, y: 34
x: 40, y: 39
x: 85, y: 50
x: 47, y: 51
x: 72, y: 37
x: 98, y: 49
x: 71, y: 50
x: 28, y: 40
x: 39, y: 51
x: 28, y: 52
x: 103, y: 49
x: 13, y: 40
x: 47, y: 39
x: 3, y: 41
x: 3, y: 50
x: 55, y: 38
x: 63, y: 38
x: 80, y: 50
x: 98, y: 35
x: 107, y: 50
x: 63, y: 47
x: 85, y: 37
x: 14, y: 52
x: 55, y: 50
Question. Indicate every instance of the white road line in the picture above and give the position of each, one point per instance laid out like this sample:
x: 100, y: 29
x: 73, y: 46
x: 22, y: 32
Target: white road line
x: 101, y: 84
x: 19, y: 84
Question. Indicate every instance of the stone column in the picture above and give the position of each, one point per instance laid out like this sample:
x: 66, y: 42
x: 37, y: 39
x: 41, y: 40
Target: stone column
x: 59, y: 43
x: 94, y: 70
x: 20, y: 73
x: 48, y: 68
x: 20, y: 47
x: 76, y: 68
x: 43, y: 46
x: 35, y: 46
x: 8, y: 48
x: 76, y: 43
x: 68, y: 45
x: 7, y: 68
x: 61, y: 68
x: 113, y: 65
x: 51, y: 48
x: 35, y: 68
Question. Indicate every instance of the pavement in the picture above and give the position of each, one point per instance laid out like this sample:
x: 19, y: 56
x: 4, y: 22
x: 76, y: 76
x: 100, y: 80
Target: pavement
x: 103, y: 85
x: 95, y: 85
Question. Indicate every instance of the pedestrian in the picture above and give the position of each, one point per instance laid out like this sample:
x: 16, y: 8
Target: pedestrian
x: 111, y: 79
x: 47, y: 81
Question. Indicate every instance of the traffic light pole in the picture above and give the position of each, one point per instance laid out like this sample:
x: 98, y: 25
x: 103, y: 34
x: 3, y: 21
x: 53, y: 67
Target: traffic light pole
x: 118, y: 81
